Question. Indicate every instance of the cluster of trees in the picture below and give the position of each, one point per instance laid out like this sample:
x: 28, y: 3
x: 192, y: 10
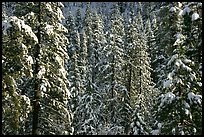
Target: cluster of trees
x: 135, y: 71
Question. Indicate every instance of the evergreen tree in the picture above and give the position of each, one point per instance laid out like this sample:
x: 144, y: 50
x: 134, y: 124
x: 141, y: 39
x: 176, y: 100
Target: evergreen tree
x: 73, y: 52
x: 88, y: 114
x: 16, y: 40
x: 115, y: 68
x: 141, y: 84
x: 89, y: 34
x: 78, y: 20
x: 175, y: 108
x: 117, y: 76
x: 51, y: 93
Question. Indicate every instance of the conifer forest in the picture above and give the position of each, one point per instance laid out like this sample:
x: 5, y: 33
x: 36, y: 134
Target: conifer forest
x: 101, y: 68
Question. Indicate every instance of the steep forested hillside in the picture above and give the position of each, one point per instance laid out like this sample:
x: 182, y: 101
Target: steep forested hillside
x: 101, y: 68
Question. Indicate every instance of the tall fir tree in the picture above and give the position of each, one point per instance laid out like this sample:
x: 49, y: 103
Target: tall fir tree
x: 179, y: 93
x: 51, y: 93
x: 17, y: 38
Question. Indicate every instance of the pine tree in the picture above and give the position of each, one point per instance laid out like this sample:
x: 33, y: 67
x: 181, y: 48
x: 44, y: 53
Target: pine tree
x: 175, y: 110
x: 78, y: 20
x: 95, y: 104
x: 88, y: 114
x: 141, y: 82
x: 159, y: 52
x: 49, y: 74
x: 89, y: 33
x: 16, y: 62
x: 73, y: 52
x: 98, y: 43
x: 117, y: 76
x: 83, y: 60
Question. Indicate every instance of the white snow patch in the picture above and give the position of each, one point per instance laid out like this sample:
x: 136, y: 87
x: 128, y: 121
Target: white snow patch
x: 167, y: 98
x: 172, y: 9
x: 173, y: 131
x: 167, y: 84
x: 138, y: 123
x: 194, y: 98
x: 172, y: 59
x: 43, y: 88
x: 199, y: 4
x: 159, y: 125
x: 58, y: 59
x: 155, y: 132
x: 192, y: 76
x: 187, y: 112
x: 178, y: 41
x: 61, y: 4
x: 5, y: 26
x: 186, y: 10
x: 26, y: 99
x: 194, y: 130
x: 23, y: 46
x: 180, y: 81
x: 60, y: 15
x: 61, y: 28
x: 199, y: 84
x: 30, y: 60
x: 170, y: 76
x: 186, y: 67
x: 195, y: 16
x: 179, y: 4
x: 180, y: 13
x: 179, y: 36
x: 182, y: 133
x: 31, y: 15
x: 178, y: 63
x: 41, y: 72
x: 49, y: 29
x: 186, y: 104
x: 187, y: 61
x: 48, y: 7
x: 140, y: 119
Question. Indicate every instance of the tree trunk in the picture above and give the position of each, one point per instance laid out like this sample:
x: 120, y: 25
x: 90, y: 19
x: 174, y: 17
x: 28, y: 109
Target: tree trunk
x: 36, y: 101
x: 112, y: 89
x: 130, y: 80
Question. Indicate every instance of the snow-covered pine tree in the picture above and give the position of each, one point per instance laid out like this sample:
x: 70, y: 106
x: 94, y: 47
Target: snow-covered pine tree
x: 82, y: 64
x: 49, y: 73
x: 98, y: 44
x: 88, y: 123
x: 141, y: 82
x: 87, y: 23
x: 191, y: 14
x: 159, y: 52
x: 17, y: 38
x: 179, y: 99
x: 99, y: 56
x: 73, y: 52
x: 78, y: 20
x: 150, y: 42
x: 116, y: 72
x: 88, y: 114
x: 4, y: 13
x: 192, y: 29
x: 77, y: 68
x: 156, y: 59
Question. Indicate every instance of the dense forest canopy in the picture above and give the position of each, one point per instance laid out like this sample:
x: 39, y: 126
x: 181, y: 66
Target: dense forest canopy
x: 102, y: 68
